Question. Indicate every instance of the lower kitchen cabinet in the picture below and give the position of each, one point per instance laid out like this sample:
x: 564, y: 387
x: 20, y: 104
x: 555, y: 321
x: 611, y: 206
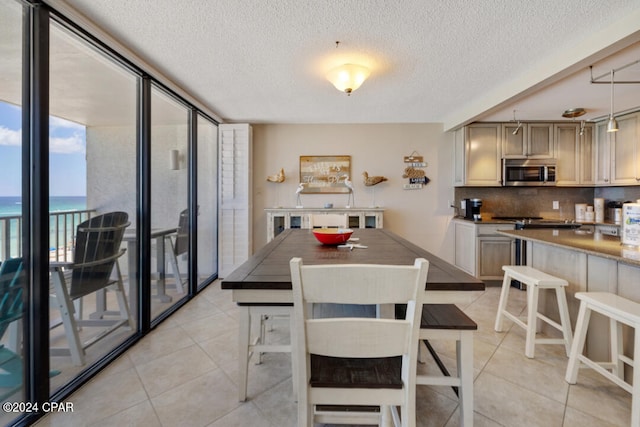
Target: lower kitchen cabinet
x: 480, y: 251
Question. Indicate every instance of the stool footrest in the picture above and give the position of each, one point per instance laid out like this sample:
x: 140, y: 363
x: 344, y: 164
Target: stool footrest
x: 550, y: 322
x: 600, y: 368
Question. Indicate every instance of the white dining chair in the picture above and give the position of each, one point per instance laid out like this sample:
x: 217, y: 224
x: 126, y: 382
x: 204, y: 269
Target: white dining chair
x: 356, y: 370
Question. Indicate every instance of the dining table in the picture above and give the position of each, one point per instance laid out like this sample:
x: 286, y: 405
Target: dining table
x: 264, y: 280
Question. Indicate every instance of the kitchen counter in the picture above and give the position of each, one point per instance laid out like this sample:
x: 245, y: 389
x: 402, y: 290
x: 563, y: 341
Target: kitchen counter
x: 590, y: 243
x: 484, y: 220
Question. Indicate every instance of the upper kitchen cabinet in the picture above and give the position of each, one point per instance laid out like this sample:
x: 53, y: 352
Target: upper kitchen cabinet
x: 603, y: 155
x: 574, y: 153
x: 477, y: 155
x: 527, y: 141
x: 625, y: 151
x: 617, y: 160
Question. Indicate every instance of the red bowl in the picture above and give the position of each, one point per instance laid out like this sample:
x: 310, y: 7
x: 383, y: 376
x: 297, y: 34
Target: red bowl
x: 332, y: 236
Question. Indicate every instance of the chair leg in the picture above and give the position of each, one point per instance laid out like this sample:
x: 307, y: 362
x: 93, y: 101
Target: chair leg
x: 173, y: 262
x: 243, y: 352
x: 635, y: 391
x: 565, y: 320
x: 504, y: 299
x: 294, y: 359
x: 464, y: 350
x: 615, y: 338
x: 67, y: 315
x: 532, y: 319
x: 582, y: 323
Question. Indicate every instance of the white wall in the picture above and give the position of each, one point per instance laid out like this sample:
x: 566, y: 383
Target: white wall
x: 420, y: 216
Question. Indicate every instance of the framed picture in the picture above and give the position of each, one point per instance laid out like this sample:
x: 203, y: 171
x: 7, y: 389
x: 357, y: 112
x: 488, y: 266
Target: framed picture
x: 324, y: 174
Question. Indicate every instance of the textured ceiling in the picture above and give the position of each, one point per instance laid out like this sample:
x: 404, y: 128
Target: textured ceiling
x: 432, y: 61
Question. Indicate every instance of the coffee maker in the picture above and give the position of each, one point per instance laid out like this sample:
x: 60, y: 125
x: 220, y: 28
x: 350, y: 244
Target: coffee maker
x: 472, y: 209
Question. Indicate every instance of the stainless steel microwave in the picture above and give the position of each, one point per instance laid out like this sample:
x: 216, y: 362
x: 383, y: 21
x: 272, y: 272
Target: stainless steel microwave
x: 529, y: 172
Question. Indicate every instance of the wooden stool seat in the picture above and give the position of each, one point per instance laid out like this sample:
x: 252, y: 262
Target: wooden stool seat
x: 620, y: 311
x: 535, y: 280
x: 448, y: 322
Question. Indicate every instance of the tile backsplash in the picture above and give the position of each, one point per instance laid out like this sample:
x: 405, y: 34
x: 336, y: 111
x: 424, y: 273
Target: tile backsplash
x: 538, y: 201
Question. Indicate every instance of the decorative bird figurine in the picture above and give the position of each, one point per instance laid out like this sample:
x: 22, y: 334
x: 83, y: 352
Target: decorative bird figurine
x: 298, y: 191
x: 279, y: 177
x: 349, y: 185
x: 372, y: 180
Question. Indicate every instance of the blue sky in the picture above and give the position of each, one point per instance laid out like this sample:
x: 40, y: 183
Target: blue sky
x: 67, y: 149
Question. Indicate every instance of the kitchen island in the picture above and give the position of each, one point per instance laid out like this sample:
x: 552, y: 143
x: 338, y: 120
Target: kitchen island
x: 590, y: 262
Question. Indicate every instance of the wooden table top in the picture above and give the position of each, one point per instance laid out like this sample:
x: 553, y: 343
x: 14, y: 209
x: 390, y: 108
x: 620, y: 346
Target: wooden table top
x: 268, y: 268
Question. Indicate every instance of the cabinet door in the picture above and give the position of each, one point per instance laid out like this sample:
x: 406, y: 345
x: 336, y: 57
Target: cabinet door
x: 493, y: 253
x: 540, y: 140
x: 587, y: 156
x: 465, y: 246
x: 458, y: 158
x: 514, y: 145
x: 603, y: 154
x: 624, y: 149
x: 483, y: 155
x: 567, y: 153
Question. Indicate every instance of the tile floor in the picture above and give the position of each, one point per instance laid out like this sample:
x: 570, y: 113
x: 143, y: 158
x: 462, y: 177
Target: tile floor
x: 184, y: 374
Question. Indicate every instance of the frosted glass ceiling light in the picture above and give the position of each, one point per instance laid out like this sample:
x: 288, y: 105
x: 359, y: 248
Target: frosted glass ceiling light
x: 612, y: 126
x: 348, y: 77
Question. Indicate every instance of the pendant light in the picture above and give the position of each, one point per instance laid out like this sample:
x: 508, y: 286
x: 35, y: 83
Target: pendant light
x: 612, y: 126
x: 515, y: 132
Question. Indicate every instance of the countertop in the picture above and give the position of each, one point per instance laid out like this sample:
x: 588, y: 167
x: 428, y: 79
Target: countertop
x: 485, y: 220
x: 489, y: 220
x: 581, y: 241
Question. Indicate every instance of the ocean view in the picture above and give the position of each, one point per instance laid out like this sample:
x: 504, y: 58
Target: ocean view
x: 13, y: 205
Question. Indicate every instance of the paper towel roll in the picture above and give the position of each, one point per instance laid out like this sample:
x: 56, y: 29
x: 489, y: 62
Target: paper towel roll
x: 630, y: 224
x: 598, y: 208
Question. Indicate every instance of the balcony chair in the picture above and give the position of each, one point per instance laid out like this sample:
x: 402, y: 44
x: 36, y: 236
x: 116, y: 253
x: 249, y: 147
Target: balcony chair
x: 11, y: 290
x: 96, y: 253
x: 179, y: 244
x: 11, y: 312
x: 356, y: 370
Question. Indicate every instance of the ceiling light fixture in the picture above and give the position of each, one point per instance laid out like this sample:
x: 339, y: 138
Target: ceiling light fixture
x: 572, y: 113
x: 515, y: 132
x: 612, y: 126
x: 348, y: 77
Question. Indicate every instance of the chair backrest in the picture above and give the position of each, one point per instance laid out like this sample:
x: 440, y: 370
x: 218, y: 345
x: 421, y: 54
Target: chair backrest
x: 181, y: 244
x: 358, y: 337
x: 329, y: 220
x: 96, y: 250
x: 11, y: 291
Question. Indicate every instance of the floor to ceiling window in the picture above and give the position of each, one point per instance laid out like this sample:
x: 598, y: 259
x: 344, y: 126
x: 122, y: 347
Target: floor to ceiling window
x: 169, y: 203
x: 207, y: 164
x: 92, y: 182
x: 106, y: 177
x: 11, y: 257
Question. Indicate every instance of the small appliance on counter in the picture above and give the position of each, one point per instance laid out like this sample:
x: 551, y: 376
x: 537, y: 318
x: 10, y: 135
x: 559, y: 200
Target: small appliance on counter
x: 472, y: 209
x: 630, y: 228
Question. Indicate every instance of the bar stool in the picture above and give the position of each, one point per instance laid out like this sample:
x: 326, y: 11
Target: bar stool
x: 535, y: 280
x: 448, y: 322
x: 620, y: 311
